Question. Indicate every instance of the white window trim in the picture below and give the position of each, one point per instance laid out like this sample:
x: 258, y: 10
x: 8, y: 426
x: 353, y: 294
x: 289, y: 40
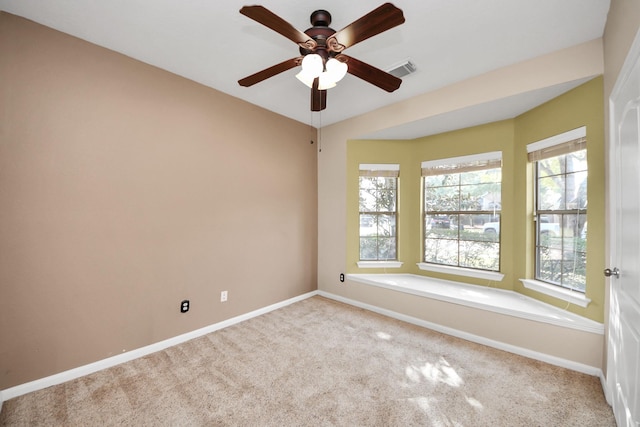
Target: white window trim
x: 379, y: 264
x: 379, y: 167
x: 461, y: 271
x: 573, y: 297
x: 577, y: 133
x: 492, y: 155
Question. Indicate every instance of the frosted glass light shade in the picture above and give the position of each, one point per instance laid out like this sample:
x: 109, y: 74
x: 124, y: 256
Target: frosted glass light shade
x: 326, y: 81
x: 305, y: 78
x: 336, y: 69
x: 312, y: 65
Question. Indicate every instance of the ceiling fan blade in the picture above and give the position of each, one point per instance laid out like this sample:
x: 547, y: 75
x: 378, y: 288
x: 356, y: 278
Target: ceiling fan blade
x: 375, y: 22
x: 371, y: 74
x: 269, y: 72
x: 318, y: 97
x: 271, y: 20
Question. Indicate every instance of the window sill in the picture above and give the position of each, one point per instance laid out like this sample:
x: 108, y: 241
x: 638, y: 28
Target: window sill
x: 379, y: 264
x: 572, y: 297
x: 458, y: 271
x: 500, y: 301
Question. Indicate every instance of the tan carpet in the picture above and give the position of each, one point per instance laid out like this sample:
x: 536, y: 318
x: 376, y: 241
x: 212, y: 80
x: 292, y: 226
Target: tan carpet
x: 321, y: 363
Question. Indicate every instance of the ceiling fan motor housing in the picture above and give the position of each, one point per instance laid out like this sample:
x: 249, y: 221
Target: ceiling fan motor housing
x: 320, y: 18
x: 320, y: 32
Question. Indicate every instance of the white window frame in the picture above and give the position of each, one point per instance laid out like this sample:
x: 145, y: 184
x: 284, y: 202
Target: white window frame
x: 388, y: 170
x: 556, y: 291
x: 448, y: 164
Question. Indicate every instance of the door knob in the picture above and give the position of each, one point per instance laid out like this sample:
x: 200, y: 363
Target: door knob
x: 612, y: 272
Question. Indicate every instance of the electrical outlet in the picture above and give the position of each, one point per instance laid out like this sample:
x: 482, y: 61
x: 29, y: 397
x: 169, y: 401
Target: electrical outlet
x: 184, y: 306
x: 223, y: 296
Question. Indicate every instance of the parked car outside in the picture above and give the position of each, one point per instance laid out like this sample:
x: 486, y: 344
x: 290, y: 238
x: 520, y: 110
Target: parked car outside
x: 440, y: 221
x: 550, y: 228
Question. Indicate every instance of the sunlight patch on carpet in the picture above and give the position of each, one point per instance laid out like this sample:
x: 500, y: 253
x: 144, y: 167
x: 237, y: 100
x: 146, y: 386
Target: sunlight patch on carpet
x: 439, y: 372
x: 473, y: 402
x: 383, y: 335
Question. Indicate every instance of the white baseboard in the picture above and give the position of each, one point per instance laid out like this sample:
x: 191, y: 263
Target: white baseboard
x: 81, y: 371
x: 605, y: 388
x: 553, y: 360
x: 71, y: 374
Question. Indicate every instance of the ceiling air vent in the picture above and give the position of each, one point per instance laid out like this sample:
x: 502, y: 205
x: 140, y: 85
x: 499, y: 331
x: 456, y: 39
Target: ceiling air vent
x: 403, y: 69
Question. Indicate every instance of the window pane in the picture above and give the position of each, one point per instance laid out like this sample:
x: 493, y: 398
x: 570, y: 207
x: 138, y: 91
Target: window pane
x: 551, y: 193
x: 387, y: 248
x: 481, y: 255
x: 386, y: 201
x: 561, y: 244
x: 481, y: 176
x: 462, y: 219
x: 377, y: 248
x: 442, y: 180
x: 480, y: 197
x: 576, y: 188
x: 367, y: 200
x: 577, y: 161
x: 549, y: 267
x: 386, y: 225
x: 378, y: 205
x: 368, y: 249
x: 551, y: 166
x: 575, y: 272
x: 491, y: 230
x: 367, y: 225
x: 441, y: 251
x: 386, y: 183
x: 441, y: 199
x: 377, y: 194
x: 437, y: 223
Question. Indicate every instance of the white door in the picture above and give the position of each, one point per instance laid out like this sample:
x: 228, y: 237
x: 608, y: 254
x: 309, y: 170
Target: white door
x: 623, y: 363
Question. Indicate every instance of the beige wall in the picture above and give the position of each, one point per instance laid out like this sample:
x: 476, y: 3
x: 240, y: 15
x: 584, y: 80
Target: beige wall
x: 125, y: 189
x: 623, y: 23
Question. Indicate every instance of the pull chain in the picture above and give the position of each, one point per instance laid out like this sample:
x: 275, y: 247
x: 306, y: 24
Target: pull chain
x: 320, y: 131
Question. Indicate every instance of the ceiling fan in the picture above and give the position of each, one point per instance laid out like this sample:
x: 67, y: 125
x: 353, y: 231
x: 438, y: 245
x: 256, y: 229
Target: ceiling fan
x: 321, y: 47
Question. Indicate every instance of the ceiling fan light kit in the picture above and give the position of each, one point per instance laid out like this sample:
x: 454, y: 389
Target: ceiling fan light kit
x: 329, y: 73
x: 322, y: 61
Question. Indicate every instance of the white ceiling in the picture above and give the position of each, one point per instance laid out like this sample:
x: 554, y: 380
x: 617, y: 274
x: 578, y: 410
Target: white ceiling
x: 211, y: 43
